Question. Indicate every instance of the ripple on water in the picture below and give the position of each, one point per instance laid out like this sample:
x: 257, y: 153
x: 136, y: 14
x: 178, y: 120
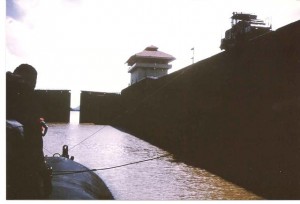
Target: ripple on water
x: 99, y: 146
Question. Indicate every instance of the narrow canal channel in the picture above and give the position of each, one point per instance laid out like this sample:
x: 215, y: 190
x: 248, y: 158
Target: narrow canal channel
x: 99, y: 146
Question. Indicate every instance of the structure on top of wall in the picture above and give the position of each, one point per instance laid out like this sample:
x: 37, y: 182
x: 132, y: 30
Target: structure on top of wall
x: 244, y: 27
x: 150, y: 63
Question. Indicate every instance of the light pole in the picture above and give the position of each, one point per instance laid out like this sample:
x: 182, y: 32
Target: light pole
x: 193, y: 49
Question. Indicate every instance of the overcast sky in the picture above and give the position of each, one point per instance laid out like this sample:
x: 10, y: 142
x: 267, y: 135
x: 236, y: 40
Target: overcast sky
x: 84, y: 44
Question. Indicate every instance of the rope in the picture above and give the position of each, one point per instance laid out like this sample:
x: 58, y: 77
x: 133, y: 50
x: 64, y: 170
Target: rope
x: 127, y: 111
x: 65, y: 172
x: 133, y: 109
x: 88, y: 137
x: 47, y: 150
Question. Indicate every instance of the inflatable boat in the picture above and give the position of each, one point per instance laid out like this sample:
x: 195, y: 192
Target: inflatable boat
x: 73, y: 181
x: 70, y: 180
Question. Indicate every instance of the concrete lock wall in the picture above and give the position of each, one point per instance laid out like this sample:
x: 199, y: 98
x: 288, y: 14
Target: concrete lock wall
x: 55, y: 104
x: 236, y: 113
x: 99, y: 107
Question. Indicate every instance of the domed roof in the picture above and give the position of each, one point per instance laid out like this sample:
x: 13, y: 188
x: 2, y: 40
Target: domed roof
x: 150, y: 52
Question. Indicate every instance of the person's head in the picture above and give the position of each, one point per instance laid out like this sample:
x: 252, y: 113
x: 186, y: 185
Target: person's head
x: 28, y: 74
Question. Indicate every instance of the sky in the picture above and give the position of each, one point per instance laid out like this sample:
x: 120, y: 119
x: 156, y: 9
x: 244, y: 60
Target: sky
x: 84, y: 44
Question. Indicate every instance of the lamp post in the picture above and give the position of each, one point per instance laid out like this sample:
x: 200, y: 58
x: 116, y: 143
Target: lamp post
x: 193, y: 49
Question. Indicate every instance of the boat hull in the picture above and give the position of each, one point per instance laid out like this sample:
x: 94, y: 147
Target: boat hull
x: 75, y: 186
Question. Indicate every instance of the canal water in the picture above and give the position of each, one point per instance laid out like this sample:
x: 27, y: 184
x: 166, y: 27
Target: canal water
x: 103, y: 146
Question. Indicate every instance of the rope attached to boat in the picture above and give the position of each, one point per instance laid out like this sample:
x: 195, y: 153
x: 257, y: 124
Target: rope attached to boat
x: 133, y: 109
x: 57, y: 173
x: 65, y: 172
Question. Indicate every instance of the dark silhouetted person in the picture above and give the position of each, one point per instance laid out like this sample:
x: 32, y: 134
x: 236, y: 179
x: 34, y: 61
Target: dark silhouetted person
x: 27, y: 176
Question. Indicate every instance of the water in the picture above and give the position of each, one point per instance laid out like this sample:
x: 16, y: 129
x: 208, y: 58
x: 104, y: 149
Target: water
x: 98, y: 146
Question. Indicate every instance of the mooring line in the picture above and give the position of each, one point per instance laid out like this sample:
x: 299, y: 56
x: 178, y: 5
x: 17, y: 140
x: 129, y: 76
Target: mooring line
x: 89, y: 136
x: 47, y: 150
x: 128, y: 110
x: 133, y: 109
x: 65, y: 172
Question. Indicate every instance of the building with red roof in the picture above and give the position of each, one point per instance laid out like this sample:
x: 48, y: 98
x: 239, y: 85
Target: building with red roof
x: 150, y: 63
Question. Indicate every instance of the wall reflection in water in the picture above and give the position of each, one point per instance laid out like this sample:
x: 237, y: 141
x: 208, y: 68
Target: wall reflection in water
x: 97, y: 146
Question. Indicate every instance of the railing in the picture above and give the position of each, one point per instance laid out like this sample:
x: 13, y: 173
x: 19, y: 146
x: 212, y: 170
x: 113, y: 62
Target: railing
x: 150, y: 65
